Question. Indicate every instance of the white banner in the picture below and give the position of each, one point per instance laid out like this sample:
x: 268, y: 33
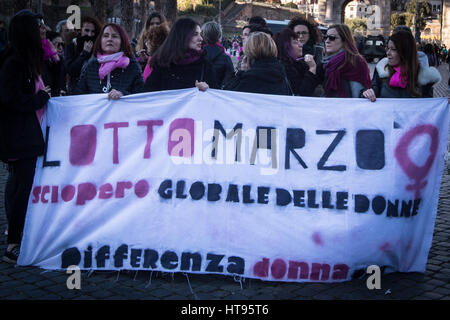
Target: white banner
x: 272, y: 187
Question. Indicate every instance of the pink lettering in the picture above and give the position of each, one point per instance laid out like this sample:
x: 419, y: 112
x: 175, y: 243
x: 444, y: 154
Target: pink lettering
x: 149, y: 124
x: 261, y: 268
x: 106, y: 191
x: 278, y: 269
x: 141, y: 188
x: 83, y: 144
x: 115, y: 126
x: 181, y: 137
x: 36, y: 192
x: 45, y: 190
x: 55, y: 194
x: 120, y: 188
x: 86, y: 191
x: 67, y: 193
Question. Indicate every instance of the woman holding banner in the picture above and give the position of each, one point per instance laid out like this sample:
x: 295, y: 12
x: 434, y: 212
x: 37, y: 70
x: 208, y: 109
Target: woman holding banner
x: 344, y: 71
x: 180, y: 62
x: 22, y: 94
x: 400, y: 75
x: 115, y: 71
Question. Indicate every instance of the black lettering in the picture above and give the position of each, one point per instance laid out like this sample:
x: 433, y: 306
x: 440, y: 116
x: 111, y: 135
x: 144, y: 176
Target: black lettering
x: 415, y: 207
x: 214, y: 191
x: 236, y: 265
x: 312, y: 199
x: 120, y: 255
x: 46, y: 163
x: 169, y: 260
x: 326, y: 200
x: 164, y: 189
x: 70, y: 257
x: 263, y: 195
x: 299, y: 198
x: 246, y: 194
x: 187, y: 257
x: 197, y: 190
x: 180, y: 190
x: 362, y: 203
x: 392, y: 210
x: 237, y: 130
x: 283, y: 197
x: 264, y: 140
x: 150, y: 258
x: 135, y: 258
x: 101, y: 256
x: 406, y: 209
x: 214, y: 262
x: 378, y: 204
x: 295, y: 139
x: 370, y: 149
x: 341, y: 200
x: 88, y: 257
x: 326, y: 155
x: 232, y: 195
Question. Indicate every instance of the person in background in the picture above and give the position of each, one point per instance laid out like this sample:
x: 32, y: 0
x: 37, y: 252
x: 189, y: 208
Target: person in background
x: 265, y: 74
x: 400, y: 74
x: 57, y: 41
x: 242, y: 62
x: 66, y: 33
x: 344, y: 72
x: 154, y: 19
x: 53, y: 73
x: 215, y: 53
x: 78, y: 52
x: 309, y: 37
x: 3, y: 35
x: 22, y: 96
x: 181, y: 62
x: 154, y: 38
x: 300, y: 71
x: 115, y: 70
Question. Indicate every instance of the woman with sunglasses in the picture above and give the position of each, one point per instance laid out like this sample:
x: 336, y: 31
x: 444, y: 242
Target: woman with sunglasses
x: 300, y: 71
x: 22, y: 96
x: 115, y: 70
x: 181, y: 62
x: 400, y: 75
x: 344, y: 71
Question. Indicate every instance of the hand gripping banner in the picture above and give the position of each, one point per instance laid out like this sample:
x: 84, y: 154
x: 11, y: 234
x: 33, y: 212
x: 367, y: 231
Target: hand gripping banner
x: 277, y: 188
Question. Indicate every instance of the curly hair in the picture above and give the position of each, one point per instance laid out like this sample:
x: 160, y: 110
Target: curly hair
x: 314, y: 32
x: 155, y: 36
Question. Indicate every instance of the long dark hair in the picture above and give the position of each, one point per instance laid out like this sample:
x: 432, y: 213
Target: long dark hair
x: 406, y: 48
x: 176, y: 44
x: 283, y: 41
x: 25, y: 42
x: 125, y: 45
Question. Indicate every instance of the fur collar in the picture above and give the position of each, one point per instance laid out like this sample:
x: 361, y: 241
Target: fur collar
x: 426, y: 74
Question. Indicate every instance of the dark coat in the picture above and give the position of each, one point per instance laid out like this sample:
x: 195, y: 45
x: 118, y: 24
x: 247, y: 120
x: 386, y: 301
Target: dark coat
x: 428, y: 76
x: 128, y: 80
x: 264, y: 76
x: 74, y: 63
x: 54, y: 75
x: 222, y: 64
x: 303, y: 82
x: 181, y: 76
x: 20, y: 131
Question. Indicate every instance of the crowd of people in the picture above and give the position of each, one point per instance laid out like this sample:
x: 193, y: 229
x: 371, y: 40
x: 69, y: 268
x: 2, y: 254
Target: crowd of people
x: 37, y: 63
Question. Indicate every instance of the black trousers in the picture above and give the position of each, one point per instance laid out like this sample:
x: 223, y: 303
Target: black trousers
x: 17, y: 193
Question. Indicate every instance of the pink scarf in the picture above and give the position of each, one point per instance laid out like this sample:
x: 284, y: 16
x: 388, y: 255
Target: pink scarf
x: 39, y: 85
x: 48, y: 51
x: 147, y: 70
x: 397, y: 80
x: 109, y: 62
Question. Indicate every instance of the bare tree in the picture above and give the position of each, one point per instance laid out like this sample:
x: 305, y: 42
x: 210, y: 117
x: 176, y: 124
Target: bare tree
x: 169, y: 10
x: 127, y: 18
x: 21, y: 4
x: 100, y: 9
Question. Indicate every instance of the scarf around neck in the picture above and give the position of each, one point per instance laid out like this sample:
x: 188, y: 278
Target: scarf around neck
x: 110, y: 62
x: 190, y: 56
x: 48, y: 51
x: 337, y: 69
x: 397, y: 80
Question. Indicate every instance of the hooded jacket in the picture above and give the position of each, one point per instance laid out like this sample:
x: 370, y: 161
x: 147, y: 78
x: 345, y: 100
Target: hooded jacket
x: 221, y: 62
x: 264, y: 76
x: 427, y: 78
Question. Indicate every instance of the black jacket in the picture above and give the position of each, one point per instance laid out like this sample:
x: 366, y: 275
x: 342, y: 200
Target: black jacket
x: 74, y: 63
x: 128, y: 80
x: 54, y: 75
x: 222, y: 64
x: 181, y: 76
x: 303, y: 82
x: 427, y: 78
x: 20, y: 131
x: 264, y: 76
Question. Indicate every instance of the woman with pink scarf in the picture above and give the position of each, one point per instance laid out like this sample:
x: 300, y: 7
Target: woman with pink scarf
x: 400, y: 75
x: 115, y: 70
x: 22, y: 95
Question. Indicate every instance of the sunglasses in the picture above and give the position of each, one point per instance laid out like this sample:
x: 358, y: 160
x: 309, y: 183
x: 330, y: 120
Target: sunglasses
x: 331, y: 37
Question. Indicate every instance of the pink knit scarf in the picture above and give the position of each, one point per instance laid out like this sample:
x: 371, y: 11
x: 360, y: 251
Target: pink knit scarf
x: 48, y: 51
x: 397, y: 80
x: 109, y: 62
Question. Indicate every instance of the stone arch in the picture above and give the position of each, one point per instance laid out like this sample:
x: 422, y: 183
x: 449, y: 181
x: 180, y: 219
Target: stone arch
x: 331, y: 12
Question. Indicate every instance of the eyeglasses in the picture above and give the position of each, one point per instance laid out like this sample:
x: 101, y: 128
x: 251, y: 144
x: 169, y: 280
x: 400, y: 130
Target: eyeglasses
x: 303, y: 33
x: 60, y: 44
x: 330, y: 37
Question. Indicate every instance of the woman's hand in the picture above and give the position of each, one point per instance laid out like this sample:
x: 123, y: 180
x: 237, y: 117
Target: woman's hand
x: 143, y: 56
x: 370, y: 94
x: 48, y: 90
x: 88, y: 46
x: 309, y: 59
x: 114, y: 94
x: 202, y: 86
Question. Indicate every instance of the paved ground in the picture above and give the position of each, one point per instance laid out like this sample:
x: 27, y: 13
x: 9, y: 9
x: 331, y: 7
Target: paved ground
x: 34, y: 283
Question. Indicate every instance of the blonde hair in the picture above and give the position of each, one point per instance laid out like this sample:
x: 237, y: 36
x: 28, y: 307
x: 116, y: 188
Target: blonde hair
x: 260, y: 45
